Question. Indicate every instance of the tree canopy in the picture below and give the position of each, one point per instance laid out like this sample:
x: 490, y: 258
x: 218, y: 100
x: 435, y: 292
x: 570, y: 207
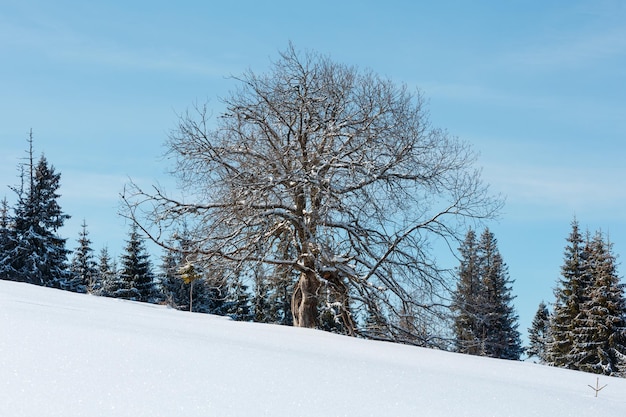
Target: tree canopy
x: 330, y: 172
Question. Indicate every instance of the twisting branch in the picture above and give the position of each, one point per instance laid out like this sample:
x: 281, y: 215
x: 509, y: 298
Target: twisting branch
x: 331, y: 174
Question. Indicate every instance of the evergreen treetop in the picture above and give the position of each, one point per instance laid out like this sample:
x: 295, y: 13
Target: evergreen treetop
x: 485, y: 322
x: 34, y: 252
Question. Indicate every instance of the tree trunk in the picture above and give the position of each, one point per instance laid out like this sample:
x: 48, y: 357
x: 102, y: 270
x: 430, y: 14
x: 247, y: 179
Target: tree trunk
x: 304, y: 301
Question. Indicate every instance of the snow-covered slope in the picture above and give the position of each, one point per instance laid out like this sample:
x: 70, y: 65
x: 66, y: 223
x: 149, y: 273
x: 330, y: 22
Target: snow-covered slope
x: 64, y: 354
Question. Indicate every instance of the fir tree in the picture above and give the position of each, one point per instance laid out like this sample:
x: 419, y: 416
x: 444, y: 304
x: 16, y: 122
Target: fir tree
x: 83, y: 268
x: 4, y: 239
x: 273, y: 285
x: 571, y: 292
x: 539, y: 334
x: 467, y: 301
x: 280, y: 288
x: 599, y: 344
x: 136, y: 271
x: 501, y: 340
x: 260, y: 299
x: 237, y: 302
x: 107, y: 274
x: 35, y: 252
x: 485, y: 322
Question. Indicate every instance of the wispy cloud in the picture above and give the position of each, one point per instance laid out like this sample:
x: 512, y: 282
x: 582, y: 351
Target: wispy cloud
x: 58, y: 42
x: 597, y: 37
x: 565, y: 190
x: 576, y: 52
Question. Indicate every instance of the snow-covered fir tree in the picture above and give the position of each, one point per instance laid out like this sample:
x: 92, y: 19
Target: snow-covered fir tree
x: 599, y: 343
x: 260, y: 297
x: 273, y: 284
x: 4, y: 239
x: 107, y: 274
x: 35, y: 252
x: 237, y: 302
x: 571, y: 292
x: 135, y: 273
x: 467, y: 299
x: 84, y: 275
x: 485, y: 321
x: 539, y: 334
x: 502, y: 339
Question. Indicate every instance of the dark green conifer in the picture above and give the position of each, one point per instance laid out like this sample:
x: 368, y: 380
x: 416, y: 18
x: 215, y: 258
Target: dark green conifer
x: 501, y: 338
x: 539, y: 334
x: 599, y: 344
x: 485, y: 322
x: 35, y: 252
x: 83, y: 268
x: 467, y: 301
x: 5, y: 236
x: 136, y: 271
x: 571, y: 292
x: 107, y: 274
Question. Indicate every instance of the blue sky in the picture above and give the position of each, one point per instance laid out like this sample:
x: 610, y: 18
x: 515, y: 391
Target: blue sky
x: 537, y: 87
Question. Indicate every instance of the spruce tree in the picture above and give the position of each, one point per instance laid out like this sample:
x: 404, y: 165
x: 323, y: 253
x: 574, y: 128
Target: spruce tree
x: 485, y: 322
x: 237, y: 304
x: 539, y: 334
x: 260, y: 299
x: 571, y: 292
x: 136, y: 271
x: 273, y: 284
x: 36, y: 253
x: 107, y: 274
x: 467, y: 303
x: 501, y: 338
x: 599, y: 344
x: 4, y: 239
x: 83, y: 268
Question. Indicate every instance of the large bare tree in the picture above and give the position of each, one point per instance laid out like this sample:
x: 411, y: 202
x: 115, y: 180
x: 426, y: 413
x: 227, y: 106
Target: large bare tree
x: 339, y: 166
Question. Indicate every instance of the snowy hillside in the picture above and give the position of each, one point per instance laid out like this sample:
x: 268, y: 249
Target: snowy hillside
x: 65, y: 354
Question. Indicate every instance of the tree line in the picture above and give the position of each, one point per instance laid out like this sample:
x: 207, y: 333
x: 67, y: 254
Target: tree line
x: 32, y: 251
x: 313, y: 200
x: 586, y: 329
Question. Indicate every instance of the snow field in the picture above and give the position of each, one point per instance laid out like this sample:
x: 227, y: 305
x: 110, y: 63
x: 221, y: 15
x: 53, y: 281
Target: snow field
x: 66, y: 354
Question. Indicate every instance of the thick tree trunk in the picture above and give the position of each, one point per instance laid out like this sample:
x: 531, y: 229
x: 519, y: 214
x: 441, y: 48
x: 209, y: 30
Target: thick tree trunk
x: 305, y: 298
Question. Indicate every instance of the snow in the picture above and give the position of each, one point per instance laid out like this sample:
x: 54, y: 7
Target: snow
x: 66, y: 354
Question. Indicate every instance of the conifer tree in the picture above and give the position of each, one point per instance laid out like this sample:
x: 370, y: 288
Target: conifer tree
x: 467, y: 303
x: 4, y: 239
x: 273, y: 285
x: 571, y: 292
x: 501, y: 338
x: 36, y: 253
x: 599, y: 344
x: 107, y: 274
x: 260, y: 298
x: 280, y: 285
x: 485, y: 321
x: 83, y: 268
x: 539, y: 334
x: 136, y: 271
x: 237, y: 303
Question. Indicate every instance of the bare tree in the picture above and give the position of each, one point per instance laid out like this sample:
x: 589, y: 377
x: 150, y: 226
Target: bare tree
x: 339, y: 164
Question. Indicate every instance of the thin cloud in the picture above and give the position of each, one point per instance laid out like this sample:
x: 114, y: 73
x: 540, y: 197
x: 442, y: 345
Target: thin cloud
x: 60, y: 43
x: 569, y: 51
x: 578, y: 189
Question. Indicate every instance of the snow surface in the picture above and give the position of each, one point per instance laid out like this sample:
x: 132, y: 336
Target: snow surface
x: 66, y: 354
